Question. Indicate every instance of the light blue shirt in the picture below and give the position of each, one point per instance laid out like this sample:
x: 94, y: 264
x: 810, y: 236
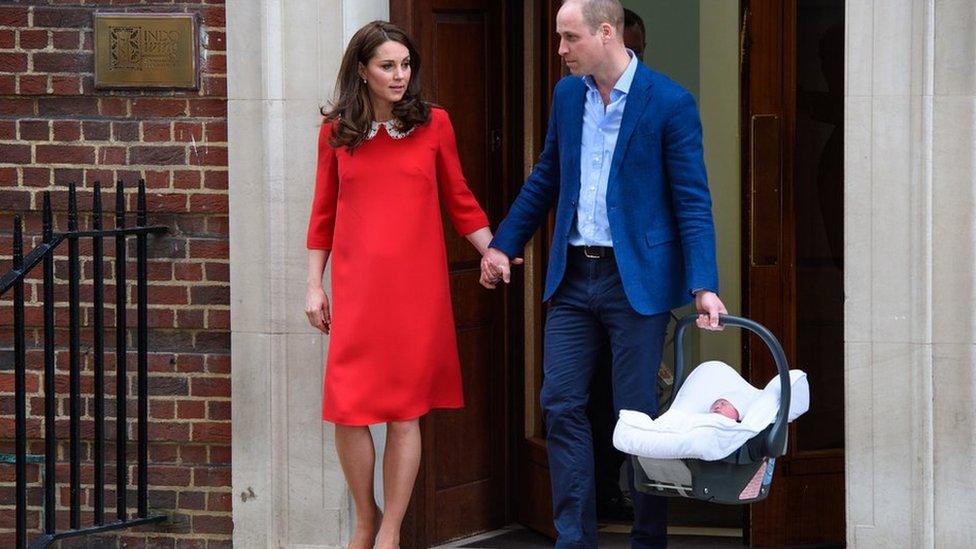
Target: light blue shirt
x: 601, y: 124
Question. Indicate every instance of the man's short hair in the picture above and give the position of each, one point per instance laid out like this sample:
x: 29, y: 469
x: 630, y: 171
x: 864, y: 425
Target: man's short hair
x: 597, y: 12
x: 631, y: 19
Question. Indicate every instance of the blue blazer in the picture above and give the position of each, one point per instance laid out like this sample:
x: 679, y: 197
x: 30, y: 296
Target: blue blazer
x: 658, y: 203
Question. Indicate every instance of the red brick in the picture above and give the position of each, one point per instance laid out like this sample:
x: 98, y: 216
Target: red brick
x: 217, y: 272
x: 37, y: 177
x: 15, y: 154
x: 192, y: 319
x: 213, y: 17
x: 8, y: 178
x: 214, y: 108
x: 157, y: 179
x: 161, y: 409
x: 93, y: 177
x: 34, y: 130
x: 16, y: 107
x: 191, y: 364
x: 201, y: 248
x: 188, y: 271
x: 111, y: 156
x: 96, y: 130
x: 188, y: 131
x: 13, y: 62
x: 167, y: 475
x: 33, y: 39
x: 210, y: 387
x: 215, y: 41
x: 168, y: 295
x: 215, y: 63
x: 66, y: 40
x: 156, y: 131
x: 208, y: 156
x: 216, y: 180
x: 220, y: 454
x: 170, y: 432
x: 65, y: 84
x: 186, y: 179
x: 67, y: 106
x: 212, y: 476
x: 8, y: 38
x: 8, y: 130
x: 219, y: 320
x: 8, y: 84
x: 14, y: 200
x: 219, y: 410
x: 215, y: 86
x: 191, y: 409
x: 13, y: 16
x: 195, y: 501
x: 64, y: 62
x: 125, y: 131
x: 219, y: 501
x: 32, y: 84
x: 65, y: 154
x: 158, y: 107
x: 113, y: 106
x: 216, y: 131
x: 160, y: 156
x: 62, y: 17
x: 67, y: 130
x: 210, y: 295
x: 208, y: 203
x: 166, y: 202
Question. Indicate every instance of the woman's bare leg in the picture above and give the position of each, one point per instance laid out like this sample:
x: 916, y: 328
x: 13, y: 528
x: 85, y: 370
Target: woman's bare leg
x: 400, y: 464
x: 357, y: 456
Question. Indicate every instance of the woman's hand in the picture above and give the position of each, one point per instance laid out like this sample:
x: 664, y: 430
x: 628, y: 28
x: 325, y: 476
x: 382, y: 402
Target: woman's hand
x: 317, y: 309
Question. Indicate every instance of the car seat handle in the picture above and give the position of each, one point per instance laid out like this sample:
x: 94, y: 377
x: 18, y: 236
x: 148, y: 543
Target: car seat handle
x: 776, y: 440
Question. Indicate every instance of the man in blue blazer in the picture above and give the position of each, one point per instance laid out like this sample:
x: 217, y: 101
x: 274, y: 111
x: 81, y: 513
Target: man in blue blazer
x: 633, y: 239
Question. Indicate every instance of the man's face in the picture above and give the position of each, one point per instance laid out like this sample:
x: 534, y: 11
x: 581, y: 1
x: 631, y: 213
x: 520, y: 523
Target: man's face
x: 580, y: 47
x: 634, y: 40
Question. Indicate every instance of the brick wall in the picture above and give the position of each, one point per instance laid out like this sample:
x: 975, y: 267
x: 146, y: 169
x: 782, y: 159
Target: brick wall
x: 56, y: 128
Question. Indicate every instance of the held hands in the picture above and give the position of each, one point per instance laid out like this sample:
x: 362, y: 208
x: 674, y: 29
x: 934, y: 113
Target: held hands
x: 317, y: 309
x: 496, y: 266
x: 709, y: 306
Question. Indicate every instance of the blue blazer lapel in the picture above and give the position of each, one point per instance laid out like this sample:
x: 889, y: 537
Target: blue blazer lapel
x: 637, y: 100
x: 574, y: 139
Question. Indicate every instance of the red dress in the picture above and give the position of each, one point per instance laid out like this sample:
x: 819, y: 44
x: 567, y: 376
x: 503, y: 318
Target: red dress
x: 393, y: 349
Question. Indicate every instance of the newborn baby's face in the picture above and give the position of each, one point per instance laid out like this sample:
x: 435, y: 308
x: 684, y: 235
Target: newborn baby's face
x: 724, y: 407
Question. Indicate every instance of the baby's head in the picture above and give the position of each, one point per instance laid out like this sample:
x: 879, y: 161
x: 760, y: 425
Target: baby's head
x: 724, y: 407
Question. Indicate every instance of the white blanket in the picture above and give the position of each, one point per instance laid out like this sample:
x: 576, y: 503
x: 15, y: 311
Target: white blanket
x: 688, y: 430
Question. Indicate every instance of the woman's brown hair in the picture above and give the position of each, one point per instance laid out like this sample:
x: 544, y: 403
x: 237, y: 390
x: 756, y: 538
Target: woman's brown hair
x: 351, y: 109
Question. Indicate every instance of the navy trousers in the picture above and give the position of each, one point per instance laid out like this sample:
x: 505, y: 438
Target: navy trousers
x: 590, y: 306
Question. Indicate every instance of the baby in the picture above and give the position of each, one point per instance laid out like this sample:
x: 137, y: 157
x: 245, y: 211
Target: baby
x: 725, y: 408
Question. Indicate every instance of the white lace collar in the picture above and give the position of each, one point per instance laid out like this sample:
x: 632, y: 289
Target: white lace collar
x: 391, y: 129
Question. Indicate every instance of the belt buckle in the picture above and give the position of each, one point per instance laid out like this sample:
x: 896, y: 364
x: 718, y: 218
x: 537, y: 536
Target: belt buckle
x: 596, y: 253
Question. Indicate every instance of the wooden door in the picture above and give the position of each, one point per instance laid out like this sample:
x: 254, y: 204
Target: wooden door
x: 543, y: 70
x: 793, y: 204
x: 462, y: 488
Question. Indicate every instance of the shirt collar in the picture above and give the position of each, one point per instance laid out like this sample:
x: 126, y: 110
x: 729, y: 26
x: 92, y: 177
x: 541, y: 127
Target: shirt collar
x: 625, y: 80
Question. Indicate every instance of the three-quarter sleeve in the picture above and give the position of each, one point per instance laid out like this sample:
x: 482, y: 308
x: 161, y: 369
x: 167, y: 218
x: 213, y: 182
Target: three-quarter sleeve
x: 321, y: 222
x: 461, y: 205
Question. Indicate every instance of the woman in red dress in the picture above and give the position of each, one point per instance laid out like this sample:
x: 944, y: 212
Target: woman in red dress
x: 387, y: 160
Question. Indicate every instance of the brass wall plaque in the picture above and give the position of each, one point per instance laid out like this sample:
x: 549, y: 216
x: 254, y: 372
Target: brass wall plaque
x: 145, y: 50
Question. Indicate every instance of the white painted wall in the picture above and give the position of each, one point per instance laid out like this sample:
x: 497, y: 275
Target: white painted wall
x: 910, y: 273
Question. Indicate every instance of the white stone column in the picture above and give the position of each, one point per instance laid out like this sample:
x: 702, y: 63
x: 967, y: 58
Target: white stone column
x: 283, y: 57
x: 910, y: 273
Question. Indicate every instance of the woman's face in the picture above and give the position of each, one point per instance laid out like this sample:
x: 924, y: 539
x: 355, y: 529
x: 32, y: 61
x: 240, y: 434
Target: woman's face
x: 388, y: 72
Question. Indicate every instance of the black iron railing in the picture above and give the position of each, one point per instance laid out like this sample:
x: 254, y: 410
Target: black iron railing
x: 22, y: 265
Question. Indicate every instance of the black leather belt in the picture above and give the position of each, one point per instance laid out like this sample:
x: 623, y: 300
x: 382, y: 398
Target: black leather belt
x: 594, y: 252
